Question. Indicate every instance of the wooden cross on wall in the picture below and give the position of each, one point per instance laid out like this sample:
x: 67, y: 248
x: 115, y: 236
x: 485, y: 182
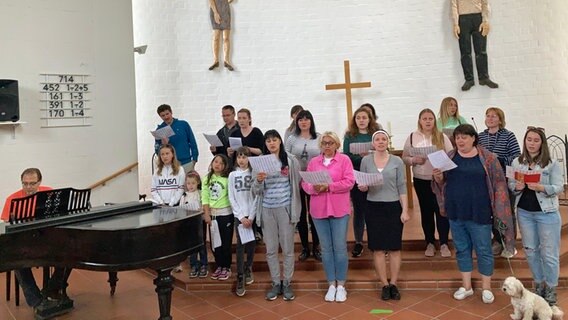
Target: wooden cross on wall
x: 348, y: 85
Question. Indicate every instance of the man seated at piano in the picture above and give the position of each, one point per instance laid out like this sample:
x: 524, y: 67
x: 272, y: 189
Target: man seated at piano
x: 54, y: 301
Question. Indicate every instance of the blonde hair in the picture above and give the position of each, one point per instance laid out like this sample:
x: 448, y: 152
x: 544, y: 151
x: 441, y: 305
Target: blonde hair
x: 175, y: 162
x: 437, y: 136
x: 444, y: 114
x: 499, y: 114
x: 332, y: 135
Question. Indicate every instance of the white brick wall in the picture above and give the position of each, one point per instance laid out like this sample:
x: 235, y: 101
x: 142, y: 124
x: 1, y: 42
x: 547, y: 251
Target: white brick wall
x: 82, y: 36
x: 285, y: 52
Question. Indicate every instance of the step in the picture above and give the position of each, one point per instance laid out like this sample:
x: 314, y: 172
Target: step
x: 412, y: 258
x: 417, y: 271
x: 364, y: 279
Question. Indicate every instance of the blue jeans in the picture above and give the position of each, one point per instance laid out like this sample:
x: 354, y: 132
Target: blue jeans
x: 541, y: 241
x: 332, y: 233
x: 467, y: 236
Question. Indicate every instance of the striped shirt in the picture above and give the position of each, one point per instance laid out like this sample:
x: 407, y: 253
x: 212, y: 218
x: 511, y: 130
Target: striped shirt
x: 461, y: 7
x: 277, y: 191
x: 503, y: 143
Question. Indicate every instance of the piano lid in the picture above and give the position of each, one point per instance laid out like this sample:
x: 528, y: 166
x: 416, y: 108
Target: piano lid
x: 135, y: 220
x: 90, y: 214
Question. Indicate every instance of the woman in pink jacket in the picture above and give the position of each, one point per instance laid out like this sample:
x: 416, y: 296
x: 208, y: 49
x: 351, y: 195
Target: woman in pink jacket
x: 330, y: 209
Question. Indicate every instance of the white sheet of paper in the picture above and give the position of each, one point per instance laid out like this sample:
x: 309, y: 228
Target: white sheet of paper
x: 316, y: 177
x: 422, y: 151
x: 213, y: 140
x: 266, y: 163
x: 246, y: 234
x: 440, y: 160
x: 509, y: 172
x: 164, y: 132
x: 234, y: 143
x: 368, y: 179
x: 359, y: 147
x: 215, y: 235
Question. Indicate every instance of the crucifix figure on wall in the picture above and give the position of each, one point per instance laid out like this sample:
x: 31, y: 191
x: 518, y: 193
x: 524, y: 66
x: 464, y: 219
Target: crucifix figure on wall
x: 347, y: 86
x: 220, y: 14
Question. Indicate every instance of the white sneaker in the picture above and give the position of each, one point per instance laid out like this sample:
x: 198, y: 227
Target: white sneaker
x: 462, y: 293
x: 445, y: 251
x: 430, y: 250
x: 341, y: 294
x: 487, y: 296
x: 330, y: 295
x: 508, y: 254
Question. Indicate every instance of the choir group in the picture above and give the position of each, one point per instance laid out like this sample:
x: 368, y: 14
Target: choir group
x: 480, y: 201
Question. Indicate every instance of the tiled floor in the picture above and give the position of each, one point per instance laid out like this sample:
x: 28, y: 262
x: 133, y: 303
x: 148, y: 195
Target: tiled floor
x: 135, y: 299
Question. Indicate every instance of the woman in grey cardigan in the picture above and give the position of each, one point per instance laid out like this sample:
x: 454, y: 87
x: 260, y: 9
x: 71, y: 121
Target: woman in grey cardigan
x: 278, y: 211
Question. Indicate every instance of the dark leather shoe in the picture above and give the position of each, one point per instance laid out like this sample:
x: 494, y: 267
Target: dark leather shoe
x: 467, y: 85
x: 385, y: 293
x: 228, y: 66
x: 394, y: 294
x: 489, y: 83
x: 213, y: 66
x: 304, y: 255
x: 317, y: 255
x: 51, y: 308
x: 357, y: 250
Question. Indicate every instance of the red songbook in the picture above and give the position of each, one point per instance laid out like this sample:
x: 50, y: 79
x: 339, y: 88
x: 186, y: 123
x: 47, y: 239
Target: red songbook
x: 527, y: 177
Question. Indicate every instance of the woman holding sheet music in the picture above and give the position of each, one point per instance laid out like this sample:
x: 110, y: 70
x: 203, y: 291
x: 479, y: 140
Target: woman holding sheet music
x: 303, y: 143
x: 474, y: 195
x: 277, y: 212
x: 387, y: 211
x: 251, y: 137
x: 538, y: 211
x: 418, y: 145
x: 330, y: 209
x: 362, y: 126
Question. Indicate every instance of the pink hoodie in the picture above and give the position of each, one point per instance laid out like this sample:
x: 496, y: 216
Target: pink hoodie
x: 335, y: 202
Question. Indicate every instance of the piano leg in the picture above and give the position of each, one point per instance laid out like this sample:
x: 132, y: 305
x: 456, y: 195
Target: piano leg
x: 164, y: 289
x: 112, y: 280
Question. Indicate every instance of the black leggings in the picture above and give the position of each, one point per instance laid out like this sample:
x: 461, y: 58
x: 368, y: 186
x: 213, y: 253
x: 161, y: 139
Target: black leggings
x: 303, y: 223
x: 223, y: 254
x: 428, y: 209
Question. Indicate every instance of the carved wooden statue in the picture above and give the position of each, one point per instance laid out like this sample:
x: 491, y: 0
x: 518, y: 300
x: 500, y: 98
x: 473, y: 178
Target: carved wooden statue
x: 221, y: 21
x: 471, y: 21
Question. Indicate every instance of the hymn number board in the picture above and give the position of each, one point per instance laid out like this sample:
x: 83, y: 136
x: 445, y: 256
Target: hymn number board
x: 65, y: 100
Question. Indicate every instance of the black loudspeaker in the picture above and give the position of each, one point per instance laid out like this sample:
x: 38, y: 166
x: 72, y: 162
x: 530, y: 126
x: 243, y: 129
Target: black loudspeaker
x: 9, y: 100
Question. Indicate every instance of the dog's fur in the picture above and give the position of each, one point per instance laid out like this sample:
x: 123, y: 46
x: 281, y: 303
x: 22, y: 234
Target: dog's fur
x: 527, y: 305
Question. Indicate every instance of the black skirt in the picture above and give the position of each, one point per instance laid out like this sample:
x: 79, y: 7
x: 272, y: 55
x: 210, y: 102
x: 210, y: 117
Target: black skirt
x: 384, y: 228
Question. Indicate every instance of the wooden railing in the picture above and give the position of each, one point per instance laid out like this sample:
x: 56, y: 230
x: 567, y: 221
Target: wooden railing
x: 114, y: 175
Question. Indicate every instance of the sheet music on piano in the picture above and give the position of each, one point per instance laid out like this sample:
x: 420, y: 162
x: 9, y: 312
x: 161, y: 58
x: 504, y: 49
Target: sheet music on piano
x: 49, y: 203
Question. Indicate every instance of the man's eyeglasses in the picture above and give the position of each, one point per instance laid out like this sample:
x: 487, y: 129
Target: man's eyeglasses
x: 29, y: 184
x: 541, y: 129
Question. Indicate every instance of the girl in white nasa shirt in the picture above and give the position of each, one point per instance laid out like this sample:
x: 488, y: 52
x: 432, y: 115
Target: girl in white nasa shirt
x: 167, y: 182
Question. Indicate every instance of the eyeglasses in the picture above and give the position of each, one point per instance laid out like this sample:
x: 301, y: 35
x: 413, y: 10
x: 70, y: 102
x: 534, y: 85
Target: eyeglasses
x: 541, y: 129
x: 327, y: 143
x: 29, y: 184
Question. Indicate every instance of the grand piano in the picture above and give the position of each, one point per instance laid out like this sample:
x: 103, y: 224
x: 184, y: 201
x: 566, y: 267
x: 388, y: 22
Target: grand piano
x: 109, y: 238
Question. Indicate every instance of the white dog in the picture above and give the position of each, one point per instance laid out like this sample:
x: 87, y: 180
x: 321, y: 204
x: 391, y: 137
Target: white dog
x: 527, y: 305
